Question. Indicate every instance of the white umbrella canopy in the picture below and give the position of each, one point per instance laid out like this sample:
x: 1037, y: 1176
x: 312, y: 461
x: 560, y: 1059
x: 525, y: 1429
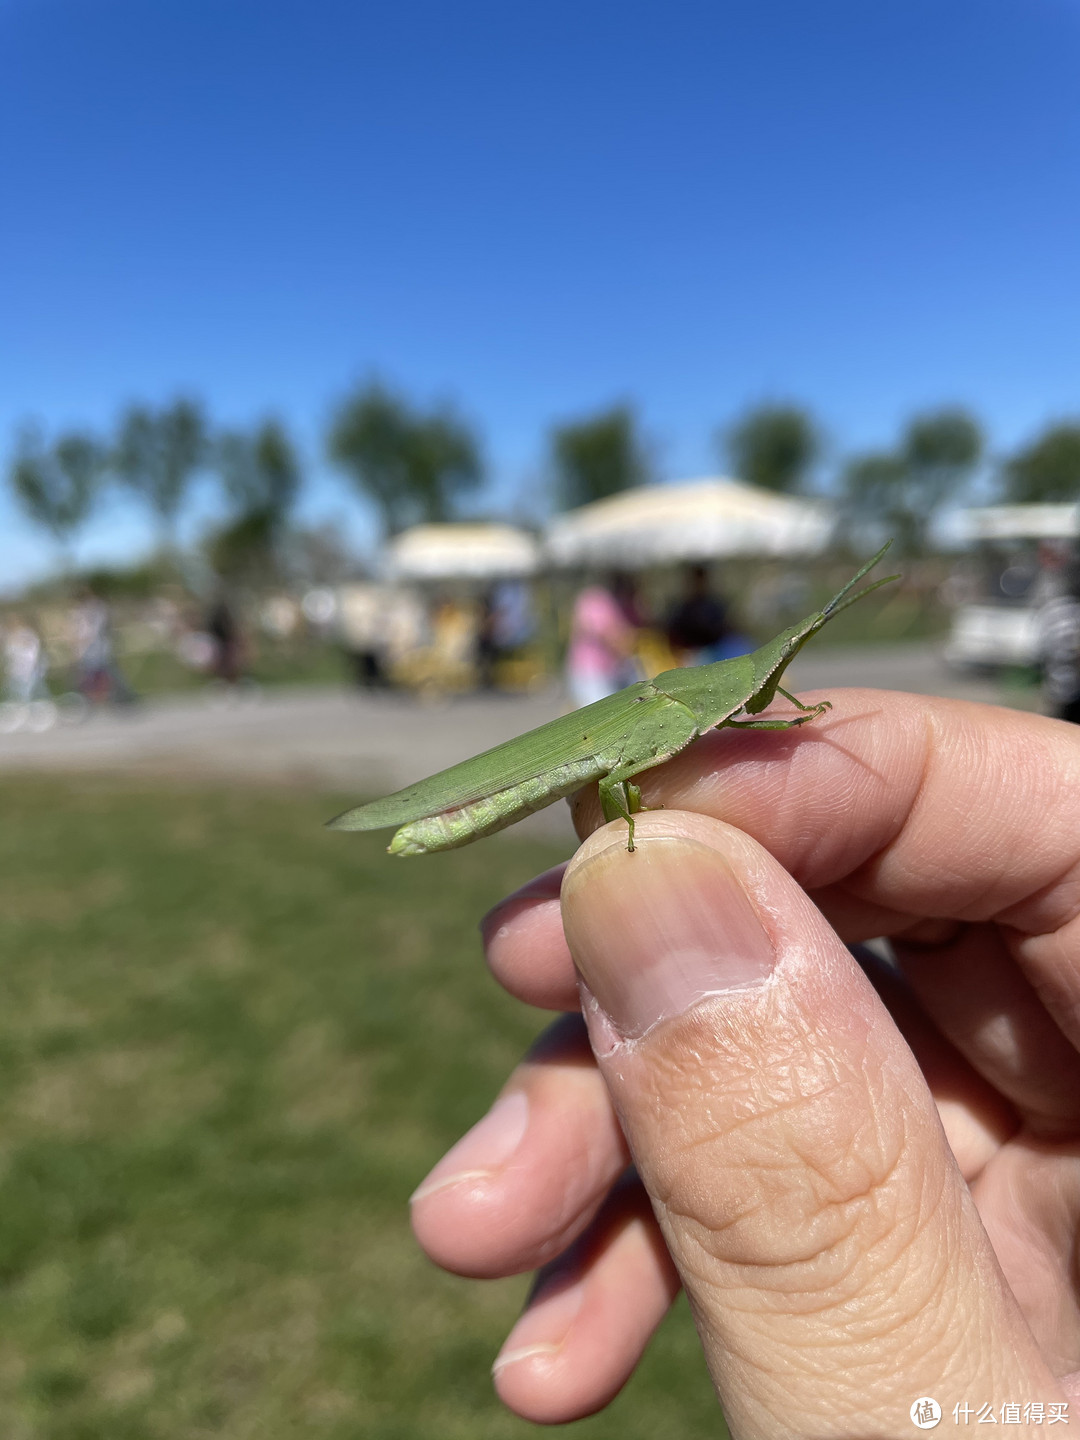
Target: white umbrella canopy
x: 462, y: 552
x: 693, y: 520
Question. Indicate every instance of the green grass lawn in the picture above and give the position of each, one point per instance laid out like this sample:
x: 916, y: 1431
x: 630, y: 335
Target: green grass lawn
x: 231, y: 1044
x: 160, y: 672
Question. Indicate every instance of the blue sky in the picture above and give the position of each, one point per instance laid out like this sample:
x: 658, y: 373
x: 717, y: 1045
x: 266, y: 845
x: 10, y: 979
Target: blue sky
x: 535, y: 210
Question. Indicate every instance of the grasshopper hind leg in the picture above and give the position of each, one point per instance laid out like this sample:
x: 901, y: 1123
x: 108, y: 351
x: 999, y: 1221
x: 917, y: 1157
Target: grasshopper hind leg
x: 668, y: 728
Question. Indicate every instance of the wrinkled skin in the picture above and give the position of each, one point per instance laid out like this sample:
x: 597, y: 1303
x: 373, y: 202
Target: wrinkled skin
x: 869, y: 1195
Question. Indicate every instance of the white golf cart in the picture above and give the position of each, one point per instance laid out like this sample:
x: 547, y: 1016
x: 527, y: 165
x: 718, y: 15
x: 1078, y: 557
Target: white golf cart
x: 1013, y: 569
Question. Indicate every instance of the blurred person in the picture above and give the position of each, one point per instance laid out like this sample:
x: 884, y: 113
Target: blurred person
x: 25, y: 663
x: 625, y: 590
x: 600, y: 659
x: 699, y: 630
x: 1059, y: 647
x: 506, y: 624
x: 362, y: 624
x: 97, y: 675
x: 454, y: 626
x: 27, y: 703
x: 406, y: 626
x: 488, y: 648
x: 515, y: 623
x: 1054, y: 561
x: 229, y: 661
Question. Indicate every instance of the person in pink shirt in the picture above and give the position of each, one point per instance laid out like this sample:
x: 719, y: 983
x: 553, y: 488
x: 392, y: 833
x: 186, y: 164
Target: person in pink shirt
x: 600, y: 659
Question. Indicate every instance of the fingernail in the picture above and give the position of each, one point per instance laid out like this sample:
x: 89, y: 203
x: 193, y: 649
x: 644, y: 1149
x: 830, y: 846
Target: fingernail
x: 543, y: 1328
x: 484, y: 1150
x: 654, y: 932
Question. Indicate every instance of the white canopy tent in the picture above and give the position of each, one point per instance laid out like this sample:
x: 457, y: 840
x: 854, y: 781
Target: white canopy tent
x: 693, y: 520
x: 1018, y: 522
x: 462, y: 552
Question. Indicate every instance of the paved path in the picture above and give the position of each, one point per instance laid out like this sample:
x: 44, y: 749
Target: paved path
x: 366, y: 745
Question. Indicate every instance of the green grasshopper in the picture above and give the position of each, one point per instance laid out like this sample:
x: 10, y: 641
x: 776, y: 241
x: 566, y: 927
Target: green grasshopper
x: 610, y: 741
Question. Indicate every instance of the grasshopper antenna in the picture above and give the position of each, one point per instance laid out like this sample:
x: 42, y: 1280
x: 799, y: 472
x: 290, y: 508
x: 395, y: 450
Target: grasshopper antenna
x: 843, y: 598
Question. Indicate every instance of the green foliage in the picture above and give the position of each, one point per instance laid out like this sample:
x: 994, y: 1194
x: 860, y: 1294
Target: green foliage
x: 261, y: 475
x: 940, y: 446
x: 319, y: 555
x: 875, y: 491
x: 442, y: 461
x: 1048, y: 469
x: 243, y: 549
x: 598, y: 457
x: 157, y: 454
x: 275, y: 662
x: 56, y: 485
x: 773, y: 446
x: 939, y: 451
x: 261, y: 471
x: 899, y: 492
x: 413, y: 464
x: 368, y: 439
x: 132, y: 582
x: 231, y: 1043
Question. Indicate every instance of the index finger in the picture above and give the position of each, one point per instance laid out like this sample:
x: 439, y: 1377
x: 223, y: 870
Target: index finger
x: 897, y: 813
x: 902, y: 813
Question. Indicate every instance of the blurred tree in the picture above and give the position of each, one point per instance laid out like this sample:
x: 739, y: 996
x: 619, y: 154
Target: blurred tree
x: 414, y: 466
x: 157, y: 453
x: 320, y: 554
x: 1049, y: 469
x: 243, y: 549
x: 875, y: 495
x: 57, y: 485
x: 598, y: 457
x: 130, y: 582
x: 940, y: 450
x: 442, y: 461
x: 368, y: 439
x: 899, y: 493
x: 773, y: 446
x: 261, y: 476
x: 260, y: 471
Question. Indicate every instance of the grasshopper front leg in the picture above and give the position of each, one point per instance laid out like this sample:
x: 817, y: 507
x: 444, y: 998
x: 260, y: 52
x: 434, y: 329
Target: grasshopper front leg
x: 811, y: 713
x: 818, y: 709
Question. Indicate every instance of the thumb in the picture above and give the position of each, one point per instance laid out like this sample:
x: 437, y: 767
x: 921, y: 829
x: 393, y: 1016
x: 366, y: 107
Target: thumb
x: 834, y: 1260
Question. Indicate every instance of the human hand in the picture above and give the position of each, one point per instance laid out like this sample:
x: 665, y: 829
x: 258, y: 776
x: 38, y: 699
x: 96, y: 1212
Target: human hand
x: 843, y: 1251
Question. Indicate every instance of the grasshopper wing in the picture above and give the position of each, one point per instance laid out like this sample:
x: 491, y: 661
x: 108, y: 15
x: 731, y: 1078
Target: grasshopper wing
x: 579, y: 736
